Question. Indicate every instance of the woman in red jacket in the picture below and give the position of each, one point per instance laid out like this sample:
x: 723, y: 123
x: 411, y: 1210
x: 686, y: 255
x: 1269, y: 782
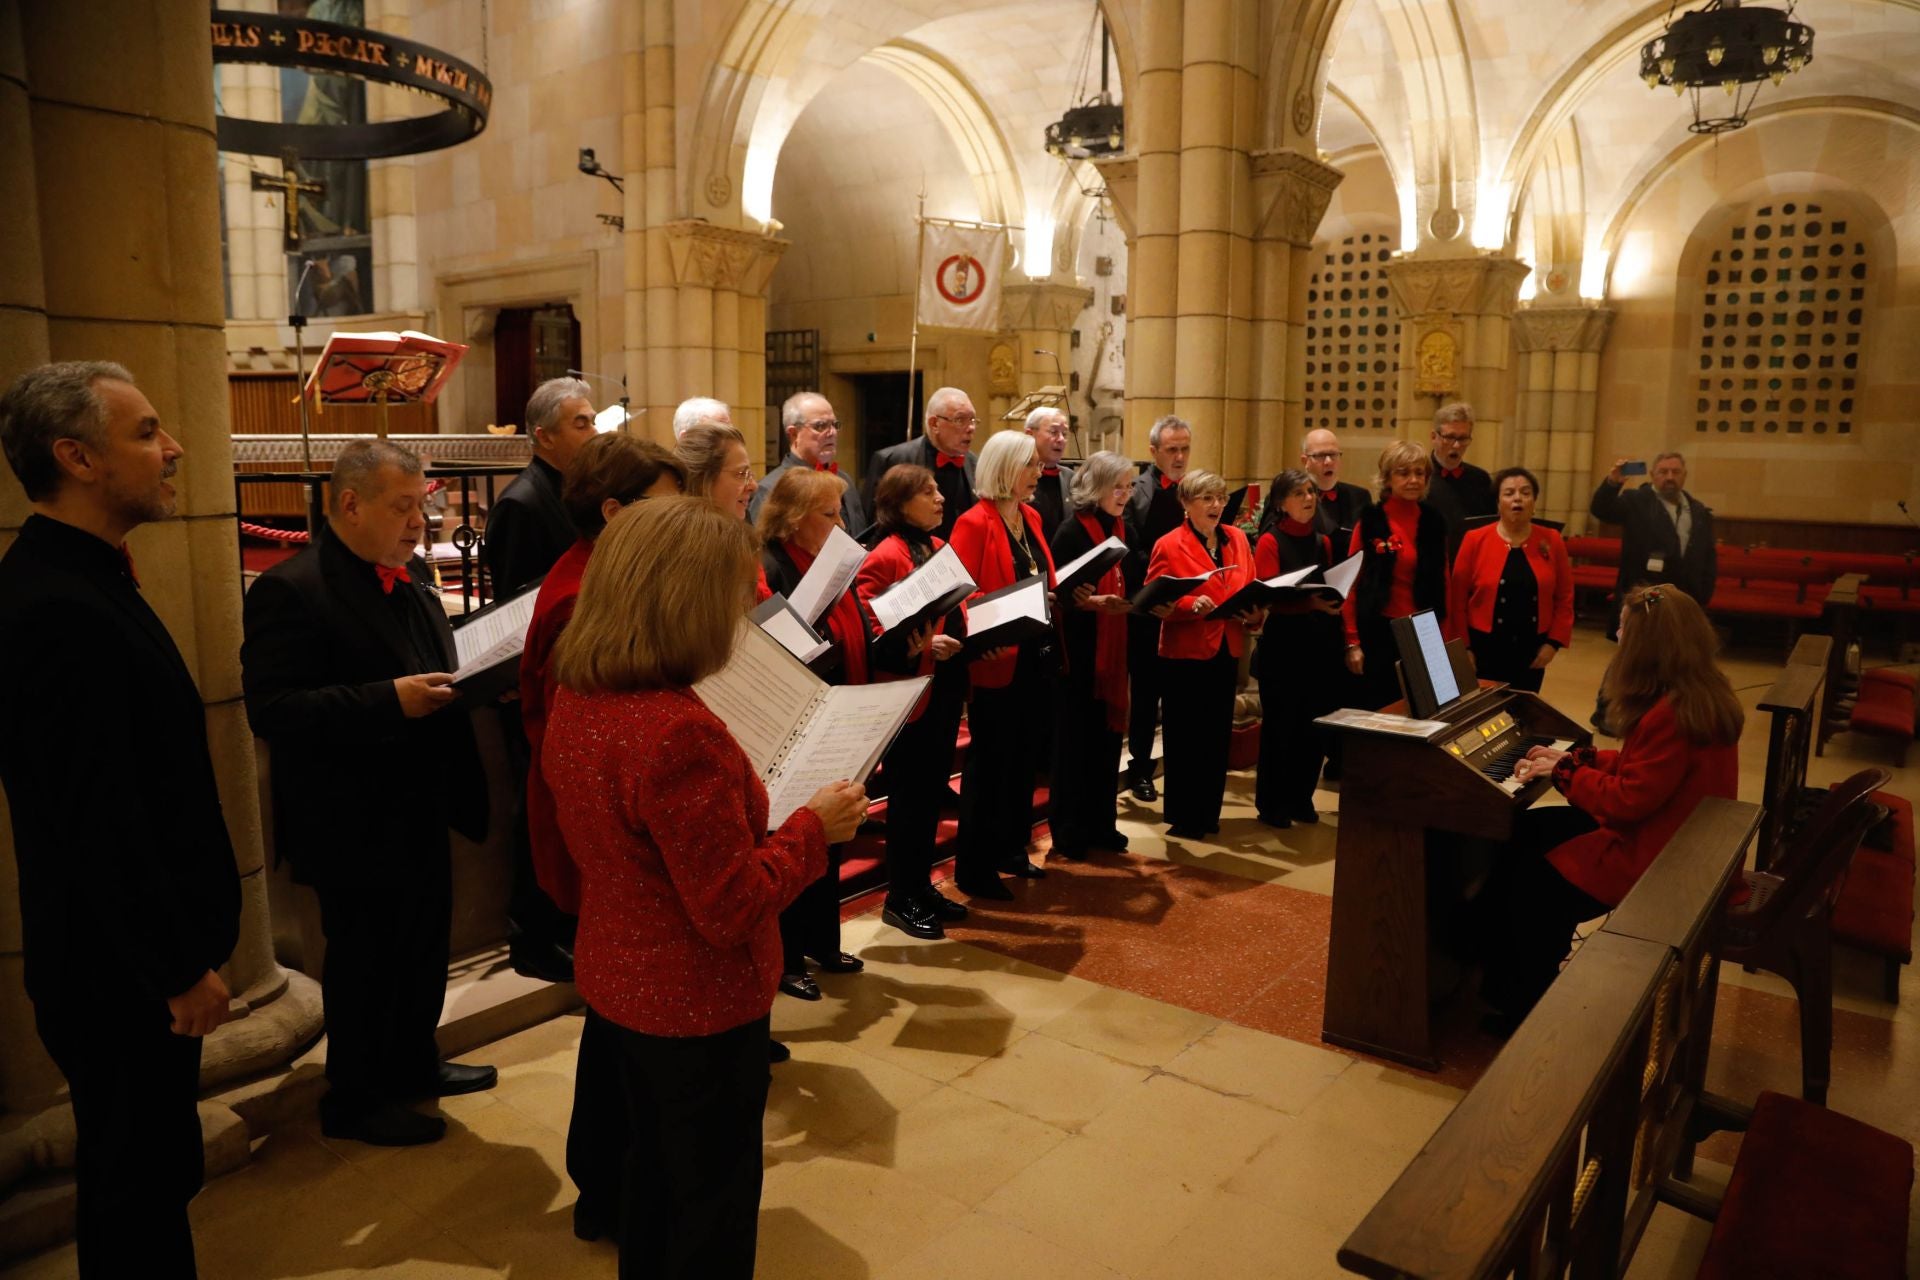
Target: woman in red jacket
x: 1511, y: 594
x: 907, y: 508
x: 681, y: 884
x: 1681, y: 723
x: 1405, y: 542
x: 1000, y: 543
x: 1200, y: 654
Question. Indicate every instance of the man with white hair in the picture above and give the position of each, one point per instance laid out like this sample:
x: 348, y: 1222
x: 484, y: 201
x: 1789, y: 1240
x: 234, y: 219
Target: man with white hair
x: 527, y: 526
x: 941, y: 449
x: 699, y: 409
x: 1340, y: 503
x: 813, y: 441
x: 1048, y: 425
x: 1152, y: 512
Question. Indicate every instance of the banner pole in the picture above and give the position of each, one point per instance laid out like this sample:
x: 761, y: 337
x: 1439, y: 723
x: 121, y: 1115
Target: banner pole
x: 919, y: 275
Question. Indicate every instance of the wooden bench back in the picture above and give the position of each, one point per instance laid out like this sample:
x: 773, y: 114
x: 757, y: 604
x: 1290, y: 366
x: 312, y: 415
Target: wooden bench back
x: 1794, y: 705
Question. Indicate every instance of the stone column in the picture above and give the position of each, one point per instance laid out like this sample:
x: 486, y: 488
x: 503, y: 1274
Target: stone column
x: 1558, y: 380
x: 1293, y: 191
x: 137, y: 281
x: 718, y: 277
x: 1153, y: 243
x: 1455, y: 344
x: 1042, y: 315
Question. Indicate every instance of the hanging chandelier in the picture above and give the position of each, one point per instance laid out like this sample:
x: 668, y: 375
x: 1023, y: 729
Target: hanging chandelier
x: 1097, y: 127
x: 1728, y: 47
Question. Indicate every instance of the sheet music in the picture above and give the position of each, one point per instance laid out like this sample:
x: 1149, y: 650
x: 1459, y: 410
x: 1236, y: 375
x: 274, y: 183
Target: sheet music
x: 762, y: 695
x: 850, y: 728
x: 922, y: 587
x: 1383, y: 722
x: 1341, y: 577
x: 1074, y: 566
x: 827, y: 579
x: 1029, y: 601
x: 1290, y: 579
x: 777, y: 618
x: 499, y: 633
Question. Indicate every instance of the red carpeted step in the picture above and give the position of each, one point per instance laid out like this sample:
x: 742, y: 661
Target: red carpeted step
x: 1875, y: 909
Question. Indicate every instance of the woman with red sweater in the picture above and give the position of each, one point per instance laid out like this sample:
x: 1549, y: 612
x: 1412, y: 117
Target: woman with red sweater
x: 1511, y: 594
x: 681, y: 883
x: 1405, y: 542
x: 1681, y: 723
x: 1200, y: 654
x: 1000, y: 543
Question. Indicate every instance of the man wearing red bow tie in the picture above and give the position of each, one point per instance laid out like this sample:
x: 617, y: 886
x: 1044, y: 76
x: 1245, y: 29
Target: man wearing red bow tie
x: 1152, y: 512
x: 943, y: 450
x: 1048, y: 427
x: 345, y: 668
x: 813, y: 440
x: 1459, y: 490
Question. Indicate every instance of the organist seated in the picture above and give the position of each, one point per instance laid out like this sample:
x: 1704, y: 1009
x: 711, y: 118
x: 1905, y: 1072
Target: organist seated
x: 1680, y: 722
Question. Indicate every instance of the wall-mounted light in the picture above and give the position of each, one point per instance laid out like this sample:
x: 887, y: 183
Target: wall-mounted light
x: 593, y: 169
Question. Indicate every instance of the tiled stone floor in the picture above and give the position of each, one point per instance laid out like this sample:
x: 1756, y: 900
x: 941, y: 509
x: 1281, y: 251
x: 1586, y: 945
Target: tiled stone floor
x: 959, y: 1111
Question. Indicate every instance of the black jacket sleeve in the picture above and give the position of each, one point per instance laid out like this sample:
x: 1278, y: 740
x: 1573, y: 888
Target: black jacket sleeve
x: 1609, y: 503
x: 283, y: 650
x: 516, y: 551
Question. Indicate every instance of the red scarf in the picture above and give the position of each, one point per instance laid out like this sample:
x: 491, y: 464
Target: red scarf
x: 843, y: 620
x: 1109, y: 632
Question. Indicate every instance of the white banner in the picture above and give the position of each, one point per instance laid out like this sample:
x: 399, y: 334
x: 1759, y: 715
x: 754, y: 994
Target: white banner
x: 960, y: 269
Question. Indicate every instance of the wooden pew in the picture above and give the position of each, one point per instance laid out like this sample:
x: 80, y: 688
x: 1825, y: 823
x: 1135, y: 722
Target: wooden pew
x: 1794, y: 703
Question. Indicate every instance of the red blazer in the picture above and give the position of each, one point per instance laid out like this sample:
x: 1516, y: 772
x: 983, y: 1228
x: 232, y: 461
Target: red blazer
x: 980, y: 540
x: 1475, y: 582
x: 1181, y: 553
x: 1640, y: 795
x: 552, y: 610
x: 886, y: 564
x: 681, y: 886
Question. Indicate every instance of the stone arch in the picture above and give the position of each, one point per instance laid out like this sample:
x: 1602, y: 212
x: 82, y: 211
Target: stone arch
x: 968, y: 121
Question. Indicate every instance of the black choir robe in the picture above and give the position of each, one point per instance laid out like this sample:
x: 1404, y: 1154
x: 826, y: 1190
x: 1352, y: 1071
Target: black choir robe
x: 956, y: 483
x: 1456, y: 499
x: 527, y: 529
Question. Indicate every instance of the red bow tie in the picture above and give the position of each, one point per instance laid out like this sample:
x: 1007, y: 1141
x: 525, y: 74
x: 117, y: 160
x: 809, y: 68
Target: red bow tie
x: 1167, y: 482
x: 1049, y: 471
x: 127, y: 556
x: 949, y: 459
x: 1454, y: 473
x: 1329, y: 497
x: 390, y: 576
x: 832, y: 467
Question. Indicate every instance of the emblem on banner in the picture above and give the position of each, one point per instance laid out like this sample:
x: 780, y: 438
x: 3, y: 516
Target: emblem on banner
x: 960, y: 279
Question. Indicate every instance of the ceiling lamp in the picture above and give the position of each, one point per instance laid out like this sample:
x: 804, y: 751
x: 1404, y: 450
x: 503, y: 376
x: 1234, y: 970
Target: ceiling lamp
x: 1097, y: 127
x: 1728, y: 46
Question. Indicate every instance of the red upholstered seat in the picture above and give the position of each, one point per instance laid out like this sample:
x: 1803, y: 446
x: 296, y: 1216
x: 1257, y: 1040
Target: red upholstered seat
x: 1767, y: 600
x: 1875, y: 911
x: 1890, y: 599
x: 1813, y: 1193
x: 1886, y: 675
x: 1885, y: 711
x: 1595, y: 575
x: 1588, y: 549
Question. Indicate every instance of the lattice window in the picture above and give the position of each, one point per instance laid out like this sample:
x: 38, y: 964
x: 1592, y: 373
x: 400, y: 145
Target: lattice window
x: 1353, y: 338
x: 1779, y: 339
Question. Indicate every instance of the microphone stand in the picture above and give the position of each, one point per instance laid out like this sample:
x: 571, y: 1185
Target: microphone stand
x: 626, y: 404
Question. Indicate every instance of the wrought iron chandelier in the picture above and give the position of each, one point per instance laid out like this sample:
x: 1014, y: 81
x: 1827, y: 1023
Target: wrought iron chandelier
x: 1727, y: 46
x: 1097, y: 127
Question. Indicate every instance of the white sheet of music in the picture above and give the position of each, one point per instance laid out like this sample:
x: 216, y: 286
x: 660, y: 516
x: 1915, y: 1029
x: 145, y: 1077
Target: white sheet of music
x: 849, y: 729
x: 762, y: 695
x: 829, y: 575
x: 784, y: 625
x: 1289, y: 579
x: 1028, y: 602
x: 924, y: 585
x: 499, y: 633
x: 1074, y: 565
x: 1341, y: 576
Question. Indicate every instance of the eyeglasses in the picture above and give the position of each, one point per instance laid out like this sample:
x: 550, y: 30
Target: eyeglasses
x: 1326, y: 455
x: 825, y: 424
x: 958, y: 419
x: 741, y: 473
x: 1450, y: 438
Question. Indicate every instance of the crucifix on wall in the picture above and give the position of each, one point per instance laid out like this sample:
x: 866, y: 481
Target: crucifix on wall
x: 291, y: 186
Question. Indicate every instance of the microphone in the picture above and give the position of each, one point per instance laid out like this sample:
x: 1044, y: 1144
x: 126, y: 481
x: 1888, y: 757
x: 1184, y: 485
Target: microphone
x: 1902, y: 504
x: 1040, y: 351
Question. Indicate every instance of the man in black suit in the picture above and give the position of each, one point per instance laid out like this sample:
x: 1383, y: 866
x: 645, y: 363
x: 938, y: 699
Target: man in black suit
x: 813, y: 440
x: 1458, y: 488
x: 345, y: 668
x: 1052, y: 496
x: 1340, y: 503
x: 1666, y: 534
x: 942, y: 450
x: 129, y: 900
x: 1152, y: 512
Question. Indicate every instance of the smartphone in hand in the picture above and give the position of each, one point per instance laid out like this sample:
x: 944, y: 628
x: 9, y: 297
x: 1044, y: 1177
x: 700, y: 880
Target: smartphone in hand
x: 1636, y: 468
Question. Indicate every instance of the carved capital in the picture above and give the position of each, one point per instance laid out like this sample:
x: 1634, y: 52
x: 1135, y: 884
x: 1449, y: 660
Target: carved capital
x: 722, y: 257
x: 1561, y: 328
x: 1455, y: 286
x: 1293, y: 190
x: 1042, y: 305
x: 1121, y: 176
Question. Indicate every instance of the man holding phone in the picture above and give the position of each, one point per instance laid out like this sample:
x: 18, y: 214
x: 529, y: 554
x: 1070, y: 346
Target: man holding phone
x: 1666, y: 535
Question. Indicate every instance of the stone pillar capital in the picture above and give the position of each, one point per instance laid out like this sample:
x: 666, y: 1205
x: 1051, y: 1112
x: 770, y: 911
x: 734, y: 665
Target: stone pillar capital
x: 1291, y: 194
x: 726, y: 258
x: 1042, y: 304
x: 1481, y: 286
x: 1582, y: 328
x: 1121, y: 175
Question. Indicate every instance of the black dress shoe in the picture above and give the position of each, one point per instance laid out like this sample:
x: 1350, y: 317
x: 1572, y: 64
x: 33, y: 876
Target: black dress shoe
x: 1306, y: 814
x: 943, y: 907
x: 1143, y: 788
x: 387, y: 1125
x: 454, y: 1078
x: 801, y: 986
x: 1182, y: 831
x: 839, y: 962
x: 1280, y: 820
x: 912, y: 916
x: 986, y: 887
x: 539, y: 958
x: 1024, y: 869
x: 591, y: 1221
x: 1113, y: 840
x: 777, y: 1052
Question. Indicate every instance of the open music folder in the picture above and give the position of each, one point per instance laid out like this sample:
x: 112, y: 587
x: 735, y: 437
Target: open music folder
x: 800, y: 732
x: 925, y: 594
x: 1168, y: 588
x: 826, y: 580
x: 778, y: 618
x: 1086, y: 570
x: 488, y: 643
x: 1331, y: 583
x: 1022, y: 611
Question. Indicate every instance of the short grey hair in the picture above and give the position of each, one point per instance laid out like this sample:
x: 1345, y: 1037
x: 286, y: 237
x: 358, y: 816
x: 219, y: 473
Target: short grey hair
x: 1006, y: 452
x: 543, y: 406
x: 1097, y: 476
x: 941, y: 400
x: 1202, y: 484
x: 1458, y: 411
x: 1042, y: 412
x: 793, y: 412
x: 1659, y: 458
x: 360, y: 464
x: 697, y: 410
x: 51, y: 403
x: 1172, y: 422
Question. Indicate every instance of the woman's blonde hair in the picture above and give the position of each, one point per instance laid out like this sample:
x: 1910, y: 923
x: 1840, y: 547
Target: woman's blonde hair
x: 703, y: 451
x: 1401, y: 453
x: 793, y: 498
x: 1202, y: 484
x: 668, y: 582
x: 1667, y: 650
x: 1003, y: 458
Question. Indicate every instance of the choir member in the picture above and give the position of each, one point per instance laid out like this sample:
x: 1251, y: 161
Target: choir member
x: 999, y: 543
x: 1298, y: 658
x: 813, y: 444
x: 1405, y: 571
x: 1153, y: 511
x: 1456, y: 488
x: 1681, y: 722
x: 681, y: 882
x: 802, y: 509
x: 129, y: 896
x: 719, y: 470
x: 699, y: 410
x: 1053, y: 496
x: 941, y: 449
x: 1511, y: 593
x: 1200, y: 653
x: 345, y: 666
x: 1090, y: 699
x: 919, y: 764
x: 609, y: 472
x: 1337, y: 504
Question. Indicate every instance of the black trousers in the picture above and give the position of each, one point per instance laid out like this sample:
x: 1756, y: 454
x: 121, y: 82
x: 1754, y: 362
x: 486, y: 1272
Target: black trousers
x: 1377, y: 684
x: 918, y: 768
x: 810, y: 926
x: 133, y: 1084
x: 599, y: 1132
x: 386, y: 974
x: 1199, y: 727
x: 1086, y: 770
x: 529, y: 909
x: 1531, y: 910
x: 1144, y: 679
x: 996, y: 783
x: 1507, y: 658
x: 693, y: 1174
x: 1292, y: 747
